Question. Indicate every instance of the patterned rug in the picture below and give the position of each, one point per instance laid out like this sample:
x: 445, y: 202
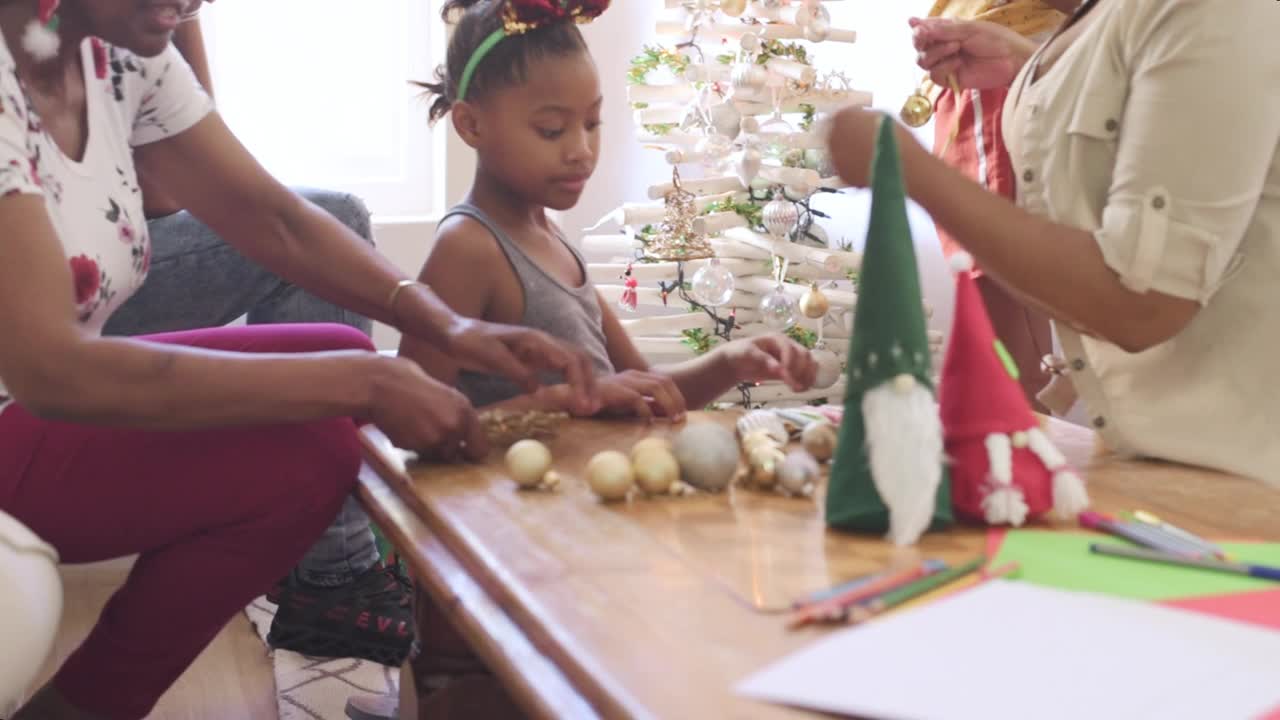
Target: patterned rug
x: 310, y: 688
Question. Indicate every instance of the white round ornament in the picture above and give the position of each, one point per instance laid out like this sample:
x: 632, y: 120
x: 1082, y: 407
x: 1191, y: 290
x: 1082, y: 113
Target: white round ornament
x: 653, y: 442
x: 828, y: 367
x: 528, y: 462
x: 655, y: 470
x: 726, y: 120
x: 707, y: 454
x: 610, y: 475
x: 713, y: 284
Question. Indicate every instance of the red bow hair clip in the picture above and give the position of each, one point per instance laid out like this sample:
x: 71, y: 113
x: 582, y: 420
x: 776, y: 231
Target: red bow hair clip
x: 521, y: 16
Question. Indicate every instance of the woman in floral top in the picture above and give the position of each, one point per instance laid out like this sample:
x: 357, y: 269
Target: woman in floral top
x: 217, y: 455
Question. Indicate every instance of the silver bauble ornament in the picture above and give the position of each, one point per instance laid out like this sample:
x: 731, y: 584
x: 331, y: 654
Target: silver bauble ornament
x: 780, y: 217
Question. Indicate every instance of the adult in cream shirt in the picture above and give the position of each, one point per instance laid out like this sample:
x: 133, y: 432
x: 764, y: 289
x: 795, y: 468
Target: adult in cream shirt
x: 1147, y: 223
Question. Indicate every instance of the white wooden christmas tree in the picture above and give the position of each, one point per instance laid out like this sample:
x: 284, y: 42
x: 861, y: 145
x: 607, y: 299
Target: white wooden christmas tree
x: 729, y: 245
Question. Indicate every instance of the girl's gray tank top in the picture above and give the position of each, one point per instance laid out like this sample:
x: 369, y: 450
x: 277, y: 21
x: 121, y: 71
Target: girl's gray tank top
x: 572, y: 315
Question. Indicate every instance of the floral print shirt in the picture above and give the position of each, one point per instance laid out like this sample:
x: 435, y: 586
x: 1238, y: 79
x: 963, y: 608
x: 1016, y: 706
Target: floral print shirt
x: 94, y: 204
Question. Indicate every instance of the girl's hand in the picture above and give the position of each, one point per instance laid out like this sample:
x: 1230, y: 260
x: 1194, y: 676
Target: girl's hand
x: 771, y: 357
x: 641, y: 394
x: 979, y: 55
x: 422, y: 414
x: 519, y: 354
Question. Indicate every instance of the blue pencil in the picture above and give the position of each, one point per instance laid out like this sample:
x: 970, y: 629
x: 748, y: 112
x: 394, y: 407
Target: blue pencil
x: 1258, y: 571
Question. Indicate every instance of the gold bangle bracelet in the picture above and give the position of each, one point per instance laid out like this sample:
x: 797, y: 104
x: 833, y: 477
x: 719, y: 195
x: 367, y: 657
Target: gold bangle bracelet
x: 395, y: 293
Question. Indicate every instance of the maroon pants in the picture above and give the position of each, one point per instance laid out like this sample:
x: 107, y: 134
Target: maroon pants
x: 216, y: 516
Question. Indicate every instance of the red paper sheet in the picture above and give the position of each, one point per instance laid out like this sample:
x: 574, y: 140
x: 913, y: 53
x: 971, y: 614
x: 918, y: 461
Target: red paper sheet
x: 1260, y: 608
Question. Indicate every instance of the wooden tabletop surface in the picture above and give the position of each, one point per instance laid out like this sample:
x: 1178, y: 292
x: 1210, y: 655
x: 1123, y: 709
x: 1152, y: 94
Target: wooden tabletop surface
x: 659, y: 607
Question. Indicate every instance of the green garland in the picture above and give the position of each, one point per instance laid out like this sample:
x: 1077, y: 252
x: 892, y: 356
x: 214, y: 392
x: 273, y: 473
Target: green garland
x: 810, y: 113
x: 779, y: 49
x: 749, y: 211
x: 652, y: 58
x: 660, y: 128
x: 698, y: 340
x: 807, y: 338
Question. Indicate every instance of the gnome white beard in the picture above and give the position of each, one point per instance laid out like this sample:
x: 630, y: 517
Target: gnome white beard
x: 904, y: 447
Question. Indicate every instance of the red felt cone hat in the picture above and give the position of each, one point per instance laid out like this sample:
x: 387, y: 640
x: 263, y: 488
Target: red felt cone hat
x: 979, y: 393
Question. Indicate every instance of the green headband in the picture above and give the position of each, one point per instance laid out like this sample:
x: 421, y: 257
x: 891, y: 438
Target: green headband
x: 485, y: 48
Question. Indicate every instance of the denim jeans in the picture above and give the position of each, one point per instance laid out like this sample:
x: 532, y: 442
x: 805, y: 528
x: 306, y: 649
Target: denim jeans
x: 198, y: 281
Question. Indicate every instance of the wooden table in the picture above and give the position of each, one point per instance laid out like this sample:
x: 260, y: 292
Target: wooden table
x: 657, y: 608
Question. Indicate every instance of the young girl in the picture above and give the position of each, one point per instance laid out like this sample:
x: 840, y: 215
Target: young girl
x: 530, y: 106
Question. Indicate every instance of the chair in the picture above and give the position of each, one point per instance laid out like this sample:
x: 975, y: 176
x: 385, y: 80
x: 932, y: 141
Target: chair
x: 30, y: 608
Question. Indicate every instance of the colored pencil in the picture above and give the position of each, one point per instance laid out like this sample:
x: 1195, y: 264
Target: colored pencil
x: 828, y: 593
x: 892, y: 599
x: 1140, y: 534
x: 834, y: 607
x: 1258, y: 571
x: 1143, y: 516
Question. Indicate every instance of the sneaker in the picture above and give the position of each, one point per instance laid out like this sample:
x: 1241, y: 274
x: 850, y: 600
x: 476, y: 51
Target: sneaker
x: 370, y: 618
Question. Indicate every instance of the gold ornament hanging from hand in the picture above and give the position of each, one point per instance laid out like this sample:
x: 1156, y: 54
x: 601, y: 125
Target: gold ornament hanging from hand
x: 676, y: 239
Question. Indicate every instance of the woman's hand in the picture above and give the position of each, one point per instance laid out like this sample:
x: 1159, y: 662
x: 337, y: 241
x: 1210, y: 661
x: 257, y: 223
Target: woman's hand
x: 519, y: 354
x: 771, y: 357
x: 979, y: 55
x: 641, y: 394
x: 419, y: 413
x: 852, y: 142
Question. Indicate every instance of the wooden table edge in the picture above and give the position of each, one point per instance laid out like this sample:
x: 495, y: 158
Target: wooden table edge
x: 606, y: 698
x: 534, y: 681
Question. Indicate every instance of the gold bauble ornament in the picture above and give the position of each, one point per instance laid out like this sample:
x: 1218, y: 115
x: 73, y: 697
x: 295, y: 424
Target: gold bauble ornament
x: 733, y: 8
x: 917, y: 110
x: 814, y: 304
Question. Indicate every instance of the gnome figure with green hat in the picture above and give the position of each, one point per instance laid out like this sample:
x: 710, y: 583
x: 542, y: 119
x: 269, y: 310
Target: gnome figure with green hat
x: 889, y: 474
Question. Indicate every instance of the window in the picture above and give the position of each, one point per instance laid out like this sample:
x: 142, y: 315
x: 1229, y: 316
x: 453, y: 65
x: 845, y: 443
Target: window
x: 318, y: 91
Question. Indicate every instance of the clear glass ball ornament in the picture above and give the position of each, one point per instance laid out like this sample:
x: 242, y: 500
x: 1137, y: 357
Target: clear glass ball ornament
x: 779, y: 311
x: 713, y: 284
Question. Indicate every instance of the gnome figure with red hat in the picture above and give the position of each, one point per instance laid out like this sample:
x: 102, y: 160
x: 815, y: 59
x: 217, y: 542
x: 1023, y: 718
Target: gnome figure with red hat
x: 1004, y: 469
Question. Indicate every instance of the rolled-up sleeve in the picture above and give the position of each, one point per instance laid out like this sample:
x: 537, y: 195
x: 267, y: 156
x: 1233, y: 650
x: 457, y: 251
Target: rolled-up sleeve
x: 1199, y: 137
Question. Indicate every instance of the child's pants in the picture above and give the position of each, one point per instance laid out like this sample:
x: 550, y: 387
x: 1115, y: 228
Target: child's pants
x: 216, y: 516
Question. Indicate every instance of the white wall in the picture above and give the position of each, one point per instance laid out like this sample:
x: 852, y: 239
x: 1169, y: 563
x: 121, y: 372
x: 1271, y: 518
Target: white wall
x: 882, y: 62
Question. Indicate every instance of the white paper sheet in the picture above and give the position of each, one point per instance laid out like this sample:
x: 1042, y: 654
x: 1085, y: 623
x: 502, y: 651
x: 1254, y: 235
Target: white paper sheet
x: 1010, y: 650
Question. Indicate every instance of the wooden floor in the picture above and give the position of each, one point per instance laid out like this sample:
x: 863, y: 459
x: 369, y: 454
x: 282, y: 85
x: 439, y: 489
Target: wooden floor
x: 231, y: 680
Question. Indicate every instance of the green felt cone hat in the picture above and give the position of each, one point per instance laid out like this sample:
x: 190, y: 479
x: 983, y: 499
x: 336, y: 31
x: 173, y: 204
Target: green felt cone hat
x: 889, y: 339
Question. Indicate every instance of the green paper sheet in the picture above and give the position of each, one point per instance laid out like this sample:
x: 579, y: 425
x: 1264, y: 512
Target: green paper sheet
x: 1062, y: 560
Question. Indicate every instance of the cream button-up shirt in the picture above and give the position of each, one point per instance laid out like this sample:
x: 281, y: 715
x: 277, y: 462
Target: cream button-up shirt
x: 1157, y: 131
